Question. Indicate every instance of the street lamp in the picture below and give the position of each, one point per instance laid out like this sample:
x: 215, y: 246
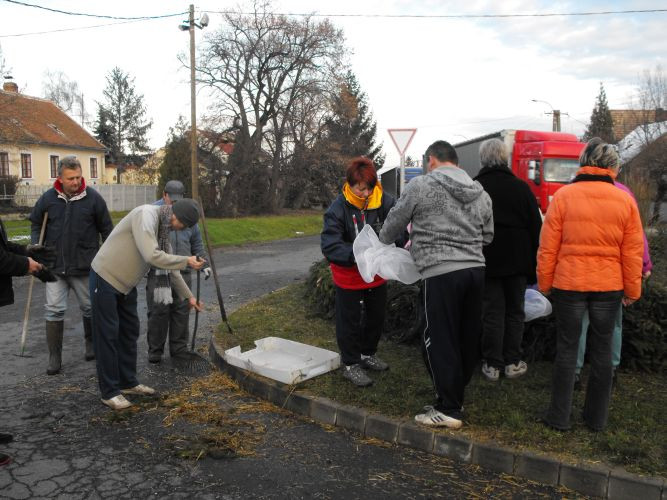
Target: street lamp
x: 554, y: 112
x: 189, y: 25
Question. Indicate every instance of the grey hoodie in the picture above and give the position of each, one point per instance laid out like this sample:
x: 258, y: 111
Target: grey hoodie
x: 451, y: 219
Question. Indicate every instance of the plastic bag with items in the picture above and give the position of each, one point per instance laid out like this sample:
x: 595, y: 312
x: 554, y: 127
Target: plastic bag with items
x: 387, y: 261
x: 536, y: 305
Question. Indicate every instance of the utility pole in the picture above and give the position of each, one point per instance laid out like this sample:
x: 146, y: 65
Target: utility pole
x: 193, y: 110
x: 556, y: 116
x: 555, y: 113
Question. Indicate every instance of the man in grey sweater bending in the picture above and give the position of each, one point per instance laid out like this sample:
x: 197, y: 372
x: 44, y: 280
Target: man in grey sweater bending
x: 451, y: 220
x: 139, y: 241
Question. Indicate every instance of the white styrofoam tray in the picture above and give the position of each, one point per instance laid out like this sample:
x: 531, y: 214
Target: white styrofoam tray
x: 284, y: 360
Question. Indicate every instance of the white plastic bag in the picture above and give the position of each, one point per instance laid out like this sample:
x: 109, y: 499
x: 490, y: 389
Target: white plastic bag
x: 536, y: 305
x: 386, y: 261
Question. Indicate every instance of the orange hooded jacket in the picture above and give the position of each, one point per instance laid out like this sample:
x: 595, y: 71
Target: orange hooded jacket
x: 591, y: 239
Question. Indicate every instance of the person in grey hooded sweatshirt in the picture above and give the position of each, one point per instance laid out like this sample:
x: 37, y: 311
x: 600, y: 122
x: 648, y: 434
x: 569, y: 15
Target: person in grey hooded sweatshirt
x: 451, y: 219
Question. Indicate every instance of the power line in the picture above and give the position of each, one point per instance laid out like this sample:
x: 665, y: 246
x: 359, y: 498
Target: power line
x: 99, y: 16
x: 449, y: 16
x: 296, y: 14
x: 72, y: 29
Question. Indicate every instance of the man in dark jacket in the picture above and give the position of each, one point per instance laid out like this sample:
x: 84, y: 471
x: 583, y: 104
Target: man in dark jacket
x: 172, y: 319
x: 511, y: 260
x: 15, y: 260
x: 77, y: 217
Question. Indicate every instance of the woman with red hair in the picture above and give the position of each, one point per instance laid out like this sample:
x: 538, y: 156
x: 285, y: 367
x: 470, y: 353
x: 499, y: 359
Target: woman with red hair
x: 360, y: 306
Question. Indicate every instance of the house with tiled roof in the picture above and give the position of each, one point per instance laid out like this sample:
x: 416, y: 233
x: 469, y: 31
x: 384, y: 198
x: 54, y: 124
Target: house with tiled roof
x: 624, y: 121
x: 35, y: 134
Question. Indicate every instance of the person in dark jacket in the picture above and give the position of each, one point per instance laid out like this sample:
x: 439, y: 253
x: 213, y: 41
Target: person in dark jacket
x: 511, y: 259
x: 360, y: 306
x: 172, y: 319
x: 15, y: 260
x: 77, y: 217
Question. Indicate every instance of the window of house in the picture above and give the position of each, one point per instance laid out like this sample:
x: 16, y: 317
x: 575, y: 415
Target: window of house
x: 4, y: 164
x: 26, y: 165
x: 93, y: 168
x: 54, y: 166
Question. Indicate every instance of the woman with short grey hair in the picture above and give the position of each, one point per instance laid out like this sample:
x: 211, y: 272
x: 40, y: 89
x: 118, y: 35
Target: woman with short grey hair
x: 493, y: 153
x: 510, y: 262
x: 589, y: 260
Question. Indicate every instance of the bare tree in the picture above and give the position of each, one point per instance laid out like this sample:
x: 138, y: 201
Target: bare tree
x: 4, y: 68
x: 260, y: 66
x: 645, y: 150
x: 650, y: 105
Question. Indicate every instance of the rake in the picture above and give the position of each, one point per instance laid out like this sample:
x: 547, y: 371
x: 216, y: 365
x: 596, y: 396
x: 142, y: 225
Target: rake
x: 191, y: 361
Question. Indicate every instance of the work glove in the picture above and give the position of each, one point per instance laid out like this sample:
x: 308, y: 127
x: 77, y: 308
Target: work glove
x: 45, y: 275
x: 41, y: 253
x: 207, y: 273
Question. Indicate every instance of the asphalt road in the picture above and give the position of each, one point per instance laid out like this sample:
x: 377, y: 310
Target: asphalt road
x: 68, y: 445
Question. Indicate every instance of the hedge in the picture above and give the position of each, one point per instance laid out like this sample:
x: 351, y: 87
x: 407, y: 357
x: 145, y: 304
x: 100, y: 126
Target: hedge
x: 644, y: 322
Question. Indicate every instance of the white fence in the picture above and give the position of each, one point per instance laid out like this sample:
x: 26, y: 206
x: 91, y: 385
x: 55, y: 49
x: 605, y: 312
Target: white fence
x: 119, y: 197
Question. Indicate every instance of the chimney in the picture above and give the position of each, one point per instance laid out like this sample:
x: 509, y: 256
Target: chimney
x: 9, y: 85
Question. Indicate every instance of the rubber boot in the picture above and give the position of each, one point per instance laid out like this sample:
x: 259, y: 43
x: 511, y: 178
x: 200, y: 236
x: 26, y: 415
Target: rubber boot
x: 88, y: 335
x: 54, y: 340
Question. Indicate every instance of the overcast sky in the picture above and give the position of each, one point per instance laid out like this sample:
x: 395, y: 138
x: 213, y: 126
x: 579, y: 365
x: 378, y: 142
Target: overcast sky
x: 451, y: 78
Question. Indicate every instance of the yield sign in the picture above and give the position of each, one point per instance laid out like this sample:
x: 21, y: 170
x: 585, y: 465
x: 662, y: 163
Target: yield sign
x: 402, y: 137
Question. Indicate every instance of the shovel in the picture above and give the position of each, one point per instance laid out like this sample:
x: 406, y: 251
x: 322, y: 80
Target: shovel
x: 215, y: 272
x: 26, y: 315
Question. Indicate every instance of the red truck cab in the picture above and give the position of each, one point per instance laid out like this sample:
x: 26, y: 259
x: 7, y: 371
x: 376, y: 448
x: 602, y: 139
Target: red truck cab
x: 546, y: 161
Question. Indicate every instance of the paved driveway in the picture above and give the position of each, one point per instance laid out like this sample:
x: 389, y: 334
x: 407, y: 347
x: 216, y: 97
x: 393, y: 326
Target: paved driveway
x: 68, y: 445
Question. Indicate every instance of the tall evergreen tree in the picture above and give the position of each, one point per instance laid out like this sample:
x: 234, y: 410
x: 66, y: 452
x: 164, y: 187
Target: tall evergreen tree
x: 176, y: 161
x: 351, y: 127
x: 121, y: 120
x: 601, y: 124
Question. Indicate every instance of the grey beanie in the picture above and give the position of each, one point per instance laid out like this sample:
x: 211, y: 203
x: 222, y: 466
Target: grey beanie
x: 186, y: 211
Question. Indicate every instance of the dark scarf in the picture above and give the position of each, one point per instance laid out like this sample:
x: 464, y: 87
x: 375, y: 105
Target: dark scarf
x: 599, y: 174
x: 162, y: 291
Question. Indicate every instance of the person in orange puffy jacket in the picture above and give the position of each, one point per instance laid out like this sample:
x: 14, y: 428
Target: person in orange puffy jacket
x: 589, y: 259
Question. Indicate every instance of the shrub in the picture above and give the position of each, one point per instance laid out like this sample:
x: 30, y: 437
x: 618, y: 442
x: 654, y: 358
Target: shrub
x: 8, y: 189
x: 644, y: 323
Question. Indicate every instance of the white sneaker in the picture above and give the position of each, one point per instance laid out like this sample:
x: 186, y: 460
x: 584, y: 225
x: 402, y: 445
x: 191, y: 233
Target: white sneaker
x: 117, y: 402
x: 140, y: 389
x: 516, y: 370
x: 491, y: 373
x: 435, y: 418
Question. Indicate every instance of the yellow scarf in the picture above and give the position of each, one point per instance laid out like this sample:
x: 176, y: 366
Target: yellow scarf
x: 372, y: 202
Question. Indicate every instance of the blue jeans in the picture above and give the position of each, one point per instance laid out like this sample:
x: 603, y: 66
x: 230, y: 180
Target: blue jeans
x: 57, y: 293
x: 569, y: 307
x: 616, y: 340
x: 115, y: 334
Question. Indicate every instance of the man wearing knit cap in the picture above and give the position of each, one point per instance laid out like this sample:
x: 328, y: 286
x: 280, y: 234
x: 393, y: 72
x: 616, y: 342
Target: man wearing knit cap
x: 139, y: 241
x: 171, y: 321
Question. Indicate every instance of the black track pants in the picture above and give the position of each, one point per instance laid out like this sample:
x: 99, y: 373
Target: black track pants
x: 453, y: 303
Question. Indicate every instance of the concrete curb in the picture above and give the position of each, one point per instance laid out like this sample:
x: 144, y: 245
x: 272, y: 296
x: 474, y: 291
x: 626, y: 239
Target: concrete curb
x: 582, y: 478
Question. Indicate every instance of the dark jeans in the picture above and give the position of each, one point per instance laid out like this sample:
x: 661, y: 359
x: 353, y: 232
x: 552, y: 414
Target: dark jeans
x: 453, y: 304
x: 115, y: 334
x: 359, y: 321
x: 569, y: 308
x: 502, y: 320
x: 167, y: 319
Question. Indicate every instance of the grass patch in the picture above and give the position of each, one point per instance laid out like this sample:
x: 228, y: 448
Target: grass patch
x: 505, y: 412
x: 243, y: 230
x: 223, y: 232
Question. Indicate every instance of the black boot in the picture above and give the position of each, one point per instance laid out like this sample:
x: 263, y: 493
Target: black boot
x: 54, y: 340
x: 88, y: 335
